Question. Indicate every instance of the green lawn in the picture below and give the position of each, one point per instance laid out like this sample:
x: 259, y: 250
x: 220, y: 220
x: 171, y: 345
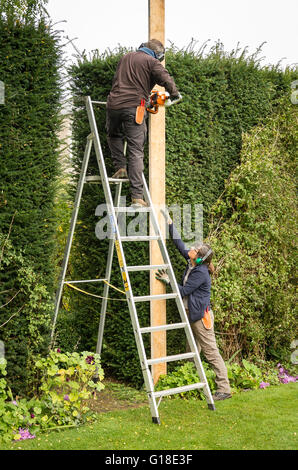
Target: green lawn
x: 254, y: 420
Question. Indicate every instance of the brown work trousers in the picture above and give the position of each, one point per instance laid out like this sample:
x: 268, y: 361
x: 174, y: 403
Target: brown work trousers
x: 121, y: 126
x: 206, y: 342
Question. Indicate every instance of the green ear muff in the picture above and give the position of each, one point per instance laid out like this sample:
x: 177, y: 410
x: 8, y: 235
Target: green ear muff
x: 201, y: 260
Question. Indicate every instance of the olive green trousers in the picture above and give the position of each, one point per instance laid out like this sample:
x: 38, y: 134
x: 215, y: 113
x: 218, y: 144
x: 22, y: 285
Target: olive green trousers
x: 206, y: 342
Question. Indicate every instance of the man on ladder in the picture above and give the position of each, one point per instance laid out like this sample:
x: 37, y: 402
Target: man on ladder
x: 136, y: 75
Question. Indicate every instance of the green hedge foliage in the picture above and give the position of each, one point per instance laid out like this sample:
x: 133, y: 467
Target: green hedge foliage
x: 253, y: 233
x: 30, y: 61
x: 26, y: 308
x: 224, y: 96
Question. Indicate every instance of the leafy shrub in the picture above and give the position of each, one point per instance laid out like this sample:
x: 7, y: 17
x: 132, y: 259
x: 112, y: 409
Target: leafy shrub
x: 25, y: 316
x: 249, y: 376
x: 186, y: 375
x: 253, y: 235
x: 244, y: 376
x: 67, y: 381
x: 14, y: 415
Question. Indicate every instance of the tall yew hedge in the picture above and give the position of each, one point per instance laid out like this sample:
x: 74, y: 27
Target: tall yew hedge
x: 224, y: 96
x: 30, y: 61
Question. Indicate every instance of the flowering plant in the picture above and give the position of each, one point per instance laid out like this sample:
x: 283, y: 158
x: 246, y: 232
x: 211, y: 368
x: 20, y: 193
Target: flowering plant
x: 14, y: 414
x: 67, y: 381
x: 284, y: 375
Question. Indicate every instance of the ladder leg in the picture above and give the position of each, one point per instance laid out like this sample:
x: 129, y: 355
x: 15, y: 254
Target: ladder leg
x: 149, y: 386
x: 104, y: 301
x: 71, y: 232
x: 108, y: 277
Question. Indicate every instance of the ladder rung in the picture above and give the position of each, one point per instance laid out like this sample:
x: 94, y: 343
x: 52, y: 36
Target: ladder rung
x: 140, y: 238
x: 98, y: 102
x: 176, y: 357
x: 84, y: 280
x: 147, y: 267
x: 172, y: 391
x: 170, y: 326
x: 144, y: 298
x: 118, y: 180
x: 132, y: 209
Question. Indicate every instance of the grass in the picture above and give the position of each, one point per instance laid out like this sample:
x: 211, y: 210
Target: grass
x: 256, y: 420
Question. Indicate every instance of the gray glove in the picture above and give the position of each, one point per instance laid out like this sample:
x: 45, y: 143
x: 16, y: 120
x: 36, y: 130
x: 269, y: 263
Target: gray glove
x: 162, y: 276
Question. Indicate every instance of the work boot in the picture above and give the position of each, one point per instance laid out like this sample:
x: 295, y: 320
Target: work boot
x: 221, y: 396
x: 138, y: 203
x: 121, y: 174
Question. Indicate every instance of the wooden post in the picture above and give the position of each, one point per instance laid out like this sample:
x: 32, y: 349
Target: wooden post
x: 157, y: 191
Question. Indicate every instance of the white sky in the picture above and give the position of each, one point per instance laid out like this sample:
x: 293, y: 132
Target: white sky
x: 102, y: 24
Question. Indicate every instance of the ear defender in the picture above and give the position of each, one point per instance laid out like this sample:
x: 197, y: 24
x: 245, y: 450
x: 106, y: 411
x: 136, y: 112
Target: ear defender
x: 201, y: 260
x: 160, y: 56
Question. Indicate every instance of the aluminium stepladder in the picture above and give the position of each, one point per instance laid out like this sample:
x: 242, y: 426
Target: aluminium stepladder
x: 117, y: 241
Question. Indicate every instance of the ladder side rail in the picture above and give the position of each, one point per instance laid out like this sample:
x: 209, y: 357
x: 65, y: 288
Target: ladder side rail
x: 121, y: 258
x: 100, y: 160
x: 108, y: 278
x: 73, y: 221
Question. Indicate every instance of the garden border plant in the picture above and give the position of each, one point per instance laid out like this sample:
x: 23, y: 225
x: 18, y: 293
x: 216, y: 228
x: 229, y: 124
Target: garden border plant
x: 242, y: 377
x: 67, y: 382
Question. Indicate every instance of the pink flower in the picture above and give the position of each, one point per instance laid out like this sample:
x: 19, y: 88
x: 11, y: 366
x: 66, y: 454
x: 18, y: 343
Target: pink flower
x: 264, y: 384
x: 284, y: 376
x: 25, y: 434
x: 66, y: 397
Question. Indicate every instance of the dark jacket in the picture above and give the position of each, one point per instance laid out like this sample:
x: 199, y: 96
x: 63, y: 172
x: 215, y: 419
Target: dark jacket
x: 198, y: 284
x: 137, y: 73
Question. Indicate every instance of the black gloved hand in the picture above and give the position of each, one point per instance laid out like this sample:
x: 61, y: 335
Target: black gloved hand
x: 176, y: 97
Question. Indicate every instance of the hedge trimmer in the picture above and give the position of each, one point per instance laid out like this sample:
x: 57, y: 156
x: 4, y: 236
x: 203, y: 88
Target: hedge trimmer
x: 160, y: 98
